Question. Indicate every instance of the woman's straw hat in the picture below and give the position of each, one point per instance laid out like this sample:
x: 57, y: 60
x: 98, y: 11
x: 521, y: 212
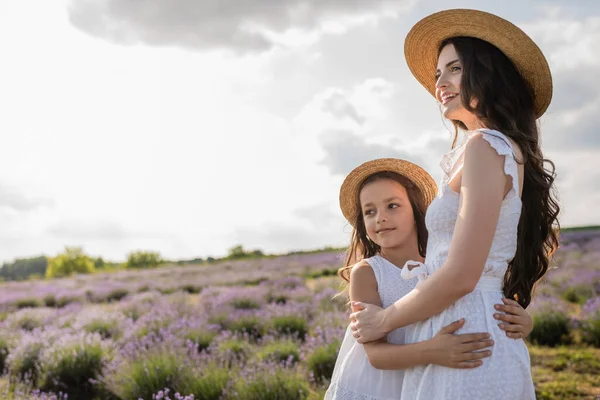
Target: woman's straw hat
x: 422, y: 44
x: 417, y: 175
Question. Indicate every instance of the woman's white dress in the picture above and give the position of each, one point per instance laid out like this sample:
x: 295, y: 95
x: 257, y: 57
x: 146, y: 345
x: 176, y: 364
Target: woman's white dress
x: 506, y: 374
x: 354, y: 378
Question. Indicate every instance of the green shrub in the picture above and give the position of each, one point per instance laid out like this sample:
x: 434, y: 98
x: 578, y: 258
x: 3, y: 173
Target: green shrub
x: 165, y: 369
x: 63, y: 301
x: 272, y: 385
x: 280, y: 352
x: 23, y: 360
x: 550, y: 328
x: 3, y: 353
x: 291, y: 325
x: 245, y: 304
x: 69, y: 367
x: 206, y: 384
x: 146, y: 375
x: 579, y: 294
x: 105, y: 328
x: 28, y: 322
x: 143, y: 259
x: 237, y: 349
x: 251, y: 325
x: 322, y: 361
x: 590, y: 330
x: 277, y: 298
x: 202, y: 338
x: 116, y: 294
x: 29, y: 302
x: 191, y: 289
x: 72, y: 261
x: 50, y: 300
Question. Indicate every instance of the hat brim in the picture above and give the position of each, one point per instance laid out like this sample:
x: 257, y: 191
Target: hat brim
x: 422, y: 44
x: 417, y: 175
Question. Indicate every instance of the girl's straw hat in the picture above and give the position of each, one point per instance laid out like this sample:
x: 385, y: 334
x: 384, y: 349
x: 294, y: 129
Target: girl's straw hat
x: 421, y: 48
x: 417, y: 175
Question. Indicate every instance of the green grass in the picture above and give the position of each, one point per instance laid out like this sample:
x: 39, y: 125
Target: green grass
x: 565, y: 372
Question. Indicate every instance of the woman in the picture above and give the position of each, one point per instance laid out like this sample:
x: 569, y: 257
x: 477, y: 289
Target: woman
x: 491, y: 228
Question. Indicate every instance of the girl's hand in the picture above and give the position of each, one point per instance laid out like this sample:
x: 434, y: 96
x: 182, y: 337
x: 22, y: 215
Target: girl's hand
x: 367, y: 322
x: 459, y: 351
x: 518, y: 324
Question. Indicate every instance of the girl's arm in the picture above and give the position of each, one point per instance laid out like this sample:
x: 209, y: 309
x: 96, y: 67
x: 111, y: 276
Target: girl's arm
x: 456, y: 351
x: 483, y: 187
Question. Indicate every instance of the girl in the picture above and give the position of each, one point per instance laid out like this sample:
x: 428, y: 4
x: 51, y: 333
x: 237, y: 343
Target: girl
x: 491, y: 227
x: 385, y: 200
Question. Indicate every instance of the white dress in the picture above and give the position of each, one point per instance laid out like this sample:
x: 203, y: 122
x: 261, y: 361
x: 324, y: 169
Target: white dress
x: 506, y: 374
x: 354, y: 378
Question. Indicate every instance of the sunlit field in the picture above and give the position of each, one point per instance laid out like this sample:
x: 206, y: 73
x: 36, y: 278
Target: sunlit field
x: 264, y: 328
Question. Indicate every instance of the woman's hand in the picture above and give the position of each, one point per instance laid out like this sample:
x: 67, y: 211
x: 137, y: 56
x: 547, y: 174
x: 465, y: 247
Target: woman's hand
x: 459, y: 351
x: 367, y: 322
x: 519, y: 323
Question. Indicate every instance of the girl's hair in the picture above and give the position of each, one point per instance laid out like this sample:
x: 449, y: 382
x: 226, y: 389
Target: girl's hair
x: 361, y: 246
x: 504, y: 102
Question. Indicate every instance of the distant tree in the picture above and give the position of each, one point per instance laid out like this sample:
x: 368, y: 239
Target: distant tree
x: 257, y: 253
x: 72, y: 261
x: 99, y: 263
x: 237, y: 252
x: 143, y: 259
x: 24, y: 268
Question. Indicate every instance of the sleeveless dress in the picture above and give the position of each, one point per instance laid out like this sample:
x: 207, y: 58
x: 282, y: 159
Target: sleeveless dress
x: 507, y: 373
x: 354, y: 378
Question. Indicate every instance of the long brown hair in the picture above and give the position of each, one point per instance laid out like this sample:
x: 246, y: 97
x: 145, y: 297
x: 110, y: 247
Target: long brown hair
x: 504, y: 102
x: 361, y: 246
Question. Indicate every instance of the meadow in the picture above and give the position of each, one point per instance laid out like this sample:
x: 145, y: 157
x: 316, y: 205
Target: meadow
x: 248, y: 329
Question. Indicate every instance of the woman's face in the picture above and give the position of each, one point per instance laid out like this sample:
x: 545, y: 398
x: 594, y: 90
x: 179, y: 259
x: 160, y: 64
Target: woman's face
x: 448, y: 75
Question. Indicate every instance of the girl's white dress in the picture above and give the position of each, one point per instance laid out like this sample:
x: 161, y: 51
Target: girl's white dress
x: 354, y: 378
x: 506, y: 374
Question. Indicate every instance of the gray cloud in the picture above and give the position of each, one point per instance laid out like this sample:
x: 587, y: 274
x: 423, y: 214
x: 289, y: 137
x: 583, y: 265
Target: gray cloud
x: 338, y: 105
x: 345, y: 151
x: 15, y: 200
x: 209, y: 24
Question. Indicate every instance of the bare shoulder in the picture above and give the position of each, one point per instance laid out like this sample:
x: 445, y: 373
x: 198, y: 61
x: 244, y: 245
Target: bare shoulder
x: 479, y: 151
x: 362, y: 270
x: 363, y: 284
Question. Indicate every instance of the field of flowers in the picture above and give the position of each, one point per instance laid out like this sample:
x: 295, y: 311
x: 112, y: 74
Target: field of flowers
x: 253, y: 329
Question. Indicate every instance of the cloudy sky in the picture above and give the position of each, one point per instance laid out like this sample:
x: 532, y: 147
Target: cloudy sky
x: 187, y: 127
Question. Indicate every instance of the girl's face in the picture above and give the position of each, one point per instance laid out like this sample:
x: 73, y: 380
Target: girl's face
x: 447, y: 93
x: 388, y: 214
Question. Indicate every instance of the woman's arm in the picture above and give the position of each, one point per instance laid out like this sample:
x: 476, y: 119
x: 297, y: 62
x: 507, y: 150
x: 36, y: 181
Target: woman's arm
x: 456, y: 351
x: 483, y: 187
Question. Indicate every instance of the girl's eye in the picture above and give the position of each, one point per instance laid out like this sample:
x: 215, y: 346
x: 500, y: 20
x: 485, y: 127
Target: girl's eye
x: 368, y: 212
x: 393, y: 205
x: 455, y: 68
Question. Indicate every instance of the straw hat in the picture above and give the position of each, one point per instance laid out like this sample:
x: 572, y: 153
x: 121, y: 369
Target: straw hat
x: 417, y: 175
x: 422, y: 44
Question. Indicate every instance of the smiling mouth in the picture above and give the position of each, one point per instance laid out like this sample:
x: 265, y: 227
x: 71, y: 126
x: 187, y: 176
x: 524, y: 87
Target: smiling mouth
x: 448, y: 97
x: 386, y: 230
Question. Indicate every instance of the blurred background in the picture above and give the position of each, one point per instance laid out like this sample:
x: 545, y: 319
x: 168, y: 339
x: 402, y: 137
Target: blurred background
x: 169, y: 187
